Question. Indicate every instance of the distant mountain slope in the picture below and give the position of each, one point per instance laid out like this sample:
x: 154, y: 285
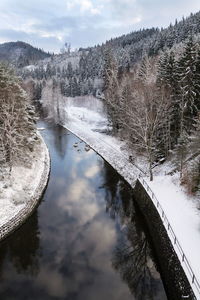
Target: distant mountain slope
x: 21, y: 54
x: 83, y: 72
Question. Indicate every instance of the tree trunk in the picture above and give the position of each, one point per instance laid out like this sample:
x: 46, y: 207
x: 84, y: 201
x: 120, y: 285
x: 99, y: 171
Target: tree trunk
x: 150, y: 168
x: 151, y: 174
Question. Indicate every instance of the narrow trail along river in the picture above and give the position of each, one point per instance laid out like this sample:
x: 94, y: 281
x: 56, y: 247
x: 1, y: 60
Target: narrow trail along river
x: 86, y: 240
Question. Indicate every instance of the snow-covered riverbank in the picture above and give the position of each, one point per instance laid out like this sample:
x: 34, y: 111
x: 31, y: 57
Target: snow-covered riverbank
x: 20, y: 194
x: 181, y: 209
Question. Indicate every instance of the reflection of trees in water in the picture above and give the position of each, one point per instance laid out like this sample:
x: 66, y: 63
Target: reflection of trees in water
x: 117, y: 195
x: 22, y: 248
x: 60, y: 139
x: 132, y: 256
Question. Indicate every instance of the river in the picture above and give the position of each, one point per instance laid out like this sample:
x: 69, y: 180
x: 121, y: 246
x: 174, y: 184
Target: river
x: 86, y: 240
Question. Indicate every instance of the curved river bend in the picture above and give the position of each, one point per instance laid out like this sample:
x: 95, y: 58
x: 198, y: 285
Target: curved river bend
x: 86, y: 240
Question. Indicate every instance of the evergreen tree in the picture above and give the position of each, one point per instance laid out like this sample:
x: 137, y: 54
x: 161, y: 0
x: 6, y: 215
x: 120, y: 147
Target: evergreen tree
x: 180, y: 152
x: 195, y: 137
x: 111, y: 85
x: 69, y: 71
x: 17, y: 128
x: 145, y: 69
x: 191, y: 174
x: 189, y: 84
x: 168, y: 80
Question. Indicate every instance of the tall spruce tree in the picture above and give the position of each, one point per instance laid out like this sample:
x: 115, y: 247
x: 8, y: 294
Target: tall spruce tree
x: 189, y: 84
x: 168, y: 80
x: 111, y: 84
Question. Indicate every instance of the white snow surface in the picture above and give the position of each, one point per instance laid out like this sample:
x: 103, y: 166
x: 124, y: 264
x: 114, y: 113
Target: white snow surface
x: 181, y: 209
x: 184, y: 217
x: 20, y: 188
x: 30, y: 67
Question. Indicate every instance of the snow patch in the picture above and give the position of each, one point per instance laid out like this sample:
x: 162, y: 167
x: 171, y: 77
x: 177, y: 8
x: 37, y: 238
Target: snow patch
x: 16, y: 191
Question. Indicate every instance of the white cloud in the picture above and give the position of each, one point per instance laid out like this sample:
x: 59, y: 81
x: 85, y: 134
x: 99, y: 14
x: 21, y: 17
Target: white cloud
x: 83, y: 6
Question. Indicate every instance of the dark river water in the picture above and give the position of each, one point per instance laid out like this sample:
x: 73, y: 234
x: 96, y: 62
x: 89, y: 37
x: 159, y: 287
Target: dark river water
x: 86, y: 240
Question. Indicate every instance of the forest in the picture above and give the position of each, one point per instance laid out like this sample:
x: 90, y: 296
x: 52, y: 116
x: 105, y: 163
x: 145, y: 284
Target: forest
x: 157, y: 108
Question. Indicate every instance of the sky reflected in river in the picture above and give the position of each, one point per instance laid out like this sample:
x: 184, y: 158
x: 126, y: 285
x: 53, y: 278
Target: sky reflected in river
x: 85, y: 241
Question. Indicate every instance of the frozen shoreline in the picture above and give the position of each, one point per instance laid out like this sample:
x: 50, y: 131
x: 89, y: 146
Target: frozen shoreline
x: 18, y: 200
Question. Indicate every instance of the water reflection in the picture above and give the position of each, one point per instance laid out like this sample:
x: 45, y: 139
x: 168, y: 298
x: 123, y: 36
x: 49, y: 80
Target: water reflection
x: 118, y: 196
x: 57, y: 136
x: 132, y: 256
x: 81, y: 241
x: 132, y: 259
x: 22, y: 253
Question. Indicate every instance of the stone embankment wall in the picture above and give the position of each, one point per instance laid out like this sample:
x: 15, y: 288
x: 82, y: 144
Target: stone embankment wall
x: 24, y: 213
x: 173, y: 275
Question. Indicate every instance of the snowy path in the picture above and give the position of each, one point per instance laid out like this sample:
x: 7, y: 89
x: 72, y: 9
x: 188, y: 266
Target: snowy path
x: 180, y: 209
x: 184, y: 218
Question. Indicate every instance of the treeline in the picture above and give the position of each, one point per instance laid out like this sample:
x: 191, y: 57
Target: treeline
x: 17, y: 122
x: 78, y: 78
x: 132, y: 47
x: 157, y: 107
x: 72, y: 82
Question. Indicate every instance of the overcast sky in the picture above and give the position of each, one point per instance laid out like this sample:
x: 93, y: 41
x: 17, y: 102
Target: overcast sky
x: 48, y: 24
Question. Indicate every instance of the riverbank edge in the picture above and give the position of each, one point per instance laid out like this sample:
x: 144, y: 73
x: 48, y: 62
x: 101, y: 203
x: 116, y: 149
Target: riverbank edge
x: 174, y: 277
x: 171, y: 259
x: 120, y: 164
x: 14, y: 223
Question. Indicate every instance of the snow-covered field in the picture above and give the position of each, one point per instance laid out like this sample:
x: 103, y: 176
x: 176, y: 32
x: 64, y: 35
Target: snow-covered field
x: 16, y: 191
x: 180, y: 208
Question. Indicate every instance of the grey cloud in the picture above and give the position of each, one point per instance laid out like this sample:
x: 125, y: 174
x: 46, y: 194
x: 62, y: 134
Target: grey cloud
x: 58, y: 24
x: 125, y: 8
x: 32, y: 20
x: 68, y: 22
x: 38, y: 9
x: 92, y: 36
x: 46, y: 43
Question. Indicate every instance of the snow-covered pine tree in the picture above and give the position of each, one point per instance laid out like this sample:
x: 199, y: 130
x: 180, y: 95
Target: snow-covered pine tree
x: 162, y: 72
x: 189, y: 85
x: 192, y: 169
x: 111, y: 84
x: 144, y: 71
x: 17, y: 120
x: 168, y: 81
x: 195, y: 137
x: 197, y: 76
x: 180, y: 152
